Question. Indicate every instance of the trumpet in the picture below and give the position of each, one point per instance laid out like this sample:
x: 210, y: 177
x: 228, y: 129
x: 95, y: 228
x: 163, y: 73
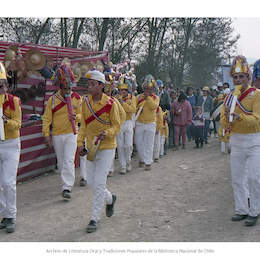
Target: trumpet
x: 2, y: 130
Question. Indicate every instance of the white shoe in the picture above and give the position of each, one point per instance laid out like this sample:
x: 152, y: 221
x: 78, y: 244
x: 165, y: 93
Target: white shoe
x: 216, y: 135
x: 128, y: 167
x: 123, y: 171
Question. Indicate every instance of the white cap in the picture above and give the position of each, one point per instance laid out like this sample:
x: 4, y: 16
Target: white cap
x: 96, y: 75
x: 226, y: 91
x: 214, y: 88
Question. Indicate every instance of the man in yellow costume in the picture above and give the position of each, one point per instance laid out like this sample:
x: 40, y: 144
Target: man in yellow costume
x: 100, y: 118
x: 245, y: 142
x: 125, y: 136
x: 9, y: 153
x: 146, y: 122
x: 63, y: 138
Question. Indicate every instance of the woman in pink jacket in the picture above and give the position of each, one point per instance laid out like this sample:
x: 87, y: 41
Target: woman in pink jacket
x: 182, y: 111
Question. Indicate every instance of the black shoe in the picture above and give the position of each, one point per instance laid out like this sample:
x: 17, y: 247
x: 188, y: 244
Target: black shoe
x: 10, y: 225
x: 83, y: 182
x: 3, y: 223
x: 251, y: 221
x: 196, y: 147
x: 66, y: 194
x: 156, y: 160
x: 206, y: 142
x: 110, y: 208
x: 238, y: 217
x: 92, y: 226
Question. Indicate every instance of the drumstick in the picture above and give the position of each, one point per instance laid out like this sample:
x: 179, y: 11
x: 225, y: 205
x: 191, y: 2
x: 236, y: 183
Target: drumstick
x: 234, y: 101
x: 68, y: 100
x: 2, y: 132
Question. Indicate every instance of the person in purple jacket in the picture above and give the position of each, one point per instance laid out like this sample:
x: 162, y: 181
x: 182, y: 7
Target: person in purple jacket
x: 182, y: 111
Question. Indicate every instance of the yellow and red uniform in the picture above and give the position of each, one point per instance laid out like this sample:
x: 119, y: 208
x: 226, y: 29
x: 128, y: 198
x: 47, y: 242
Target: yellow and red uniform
x: 12, y: 109
x: 58, y: 117
x: 94, y: 128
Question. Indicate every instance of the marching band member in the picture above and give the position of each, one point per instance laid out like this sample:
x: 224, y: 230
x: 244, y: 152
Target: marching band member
x: 244, y: 143
x: 146, y: 122
x: 122, y: 114
x: 125, y: 136
x: 159, y: 125
x: 9, y: 154
x: 63, y: 138
x: 100, y: 117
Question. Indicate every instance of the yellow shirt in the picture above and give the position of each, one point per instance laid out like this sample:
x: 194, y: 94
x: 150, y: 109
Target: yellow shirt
x: 165, y: 129
x: 129, y: 106
x: 247, y: 123
x: 13, y: 124
x: 149, y: 104
x: 159, y: 119
x: 60, y: 119
x: 122, y: 113
x: 226, y: 136
x: 94, y: 128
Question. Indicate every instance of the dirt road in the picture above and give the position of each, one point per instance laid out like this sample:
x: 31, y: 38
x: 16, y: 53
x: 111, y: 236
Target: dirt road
x: 186, y: 197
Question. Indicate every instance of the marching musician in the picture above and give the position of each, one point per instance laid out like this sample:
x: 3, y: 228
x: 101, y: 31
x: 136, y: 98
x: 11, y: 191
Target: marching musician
x: 146, y: 122
x: 125, y: 136
x: 244, y: 143
x: 100, y: 118
x: 9, y: 154
x: 63, y: 138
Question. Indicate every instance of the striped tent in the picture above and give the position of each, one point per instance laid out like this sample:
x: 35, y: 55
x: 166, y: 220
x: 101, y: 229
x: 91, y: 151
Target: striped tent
x: 35, y: 157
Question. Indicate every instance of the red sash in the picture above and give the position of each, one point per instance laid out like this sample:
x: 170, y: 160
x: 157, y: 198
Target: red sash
x: 63, y: 103
x: 246, y: 93
x: 10, y: 102
x: 105, y: 109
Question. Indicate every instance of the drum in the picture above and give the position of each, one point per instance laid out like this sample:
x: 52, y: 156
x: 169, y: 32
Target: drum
x: 93, y: 148
x: 215, y: 113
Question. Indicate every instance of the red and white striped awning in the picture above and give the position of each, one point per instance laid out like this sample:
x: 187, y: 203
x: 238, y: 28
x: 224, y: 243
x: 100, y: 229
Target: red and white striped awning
x: 55, y: 52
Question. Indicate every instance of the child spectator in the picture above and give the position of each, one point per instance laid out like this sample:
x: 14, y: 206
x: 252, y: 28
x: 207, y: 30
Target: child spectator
x: 199, y: 124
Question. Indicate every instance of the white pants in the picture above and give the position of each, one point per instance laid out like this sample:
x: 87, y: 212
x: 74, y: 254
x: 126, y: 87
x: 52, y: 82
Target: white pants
x: 9, y: 160
x: 244, y: 159
x: 125, y: 143
x: 162, y: 141
x: 83, y: 166
x: 97, y: 172
x: 65, y: 146
x: 156, y: 146
x: 144, y: 141
x: 224, y: 145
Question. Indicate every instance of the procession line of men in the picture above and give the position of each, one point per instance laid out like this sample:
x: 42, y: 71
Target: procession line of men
x: 111, y: 120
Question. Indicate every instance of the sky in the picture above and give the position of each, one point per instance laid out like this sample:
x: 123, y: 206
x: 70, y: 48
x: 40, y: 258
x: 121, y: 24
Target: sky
x: 249, y: 43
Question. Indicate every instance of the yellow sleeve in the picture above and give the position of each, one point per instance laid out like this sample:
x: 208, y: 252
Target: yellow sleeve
x: 254, y: 119
x: 115, y: 122
x: 47, y: 118
x: 153, y: 103
x: 83, y: 128
x: 166, y: 130
x: 78, y: 111
x: 159, y: 123
x: 130, y: 108
x: 16, y: 117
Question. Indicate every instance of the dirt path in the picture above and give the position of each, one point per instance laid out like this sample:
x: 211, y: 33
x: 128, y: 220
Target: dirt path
x: 186, y: 197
